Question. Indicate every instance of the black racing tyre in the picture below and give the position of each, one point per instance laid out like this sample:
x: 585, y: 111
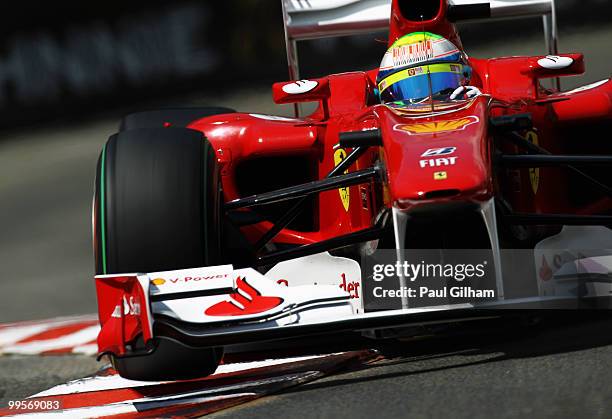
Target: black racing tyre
x: 157, y: 206
x: 170, y: 360
x: 158, y: 202
x: 178, y: 117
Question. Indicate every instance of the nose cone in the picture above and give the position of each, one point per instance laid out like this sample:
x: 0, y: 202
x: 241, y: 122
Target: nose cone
x: 437, y: 158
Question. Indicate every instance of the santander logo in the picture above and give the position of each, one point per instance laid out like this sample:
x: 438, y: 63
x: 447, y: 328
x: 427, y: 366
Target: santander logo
x: 246, y: 300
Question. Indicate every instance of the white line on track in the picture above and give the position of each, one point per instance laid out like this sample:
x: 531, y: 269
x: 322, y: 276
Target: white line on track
x: 200, y: 396
x: 10, y: 335
x: 78, y: 338
x: 57, y: 321
x: 115, y: 382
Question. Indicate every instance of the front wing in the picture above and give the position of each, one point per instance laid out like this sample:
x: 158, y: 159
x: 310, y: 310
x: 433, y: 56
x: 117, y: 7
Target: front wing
x: 220, y: 306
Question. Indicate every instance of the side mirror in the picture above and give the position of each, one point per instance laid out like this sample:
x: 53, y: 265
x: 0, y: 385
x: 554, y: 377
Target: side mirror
x: 552, y: 66
x: 308, y: 90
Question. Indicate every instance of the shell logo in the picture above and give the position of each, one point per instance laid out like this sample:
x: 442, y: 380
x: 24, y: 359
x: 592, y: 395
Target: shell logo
x: 158, y: 281
x: 434, y: 127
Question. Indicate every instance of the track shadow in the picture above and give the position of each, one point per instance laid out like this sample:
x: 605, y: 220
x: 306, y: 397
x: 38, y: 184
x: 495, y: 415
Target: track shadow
x: 557, y: 332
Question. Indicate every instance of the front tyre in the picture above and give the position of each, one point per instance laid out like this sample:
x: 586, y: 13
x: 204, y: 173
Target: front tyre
x: 157, y: 206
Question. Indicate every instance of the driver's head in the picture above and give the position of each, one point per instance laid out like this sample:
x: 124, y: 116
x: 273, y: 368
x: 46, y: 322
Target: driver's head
x: 403, y: 74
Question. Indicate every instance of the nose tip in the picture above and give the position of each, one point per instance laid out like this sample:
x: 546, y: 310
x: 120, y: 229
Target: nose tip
x: 442, y: 193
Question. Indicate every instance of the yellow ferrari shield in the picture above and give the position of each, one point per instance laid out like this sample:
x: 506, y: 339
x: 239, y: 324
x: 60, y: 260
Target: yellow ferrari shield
x: 345, y: 195
x: 534, y: 172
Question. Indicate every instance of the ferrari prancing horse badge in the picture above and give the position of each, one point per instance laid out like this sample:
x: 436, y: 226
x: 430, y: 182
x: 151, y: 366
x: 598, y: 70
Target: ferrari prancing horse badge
x: 340, y: 155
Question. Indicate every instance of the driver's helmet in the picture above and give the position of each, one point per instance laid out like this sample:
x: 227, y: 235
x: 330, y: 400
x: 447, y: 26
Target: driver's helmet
x: 421, y: 64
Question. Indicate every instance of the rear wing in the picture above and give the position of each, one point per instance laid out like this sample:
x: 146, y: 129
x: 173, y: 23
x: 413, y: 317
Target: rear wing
x: 314, y: 19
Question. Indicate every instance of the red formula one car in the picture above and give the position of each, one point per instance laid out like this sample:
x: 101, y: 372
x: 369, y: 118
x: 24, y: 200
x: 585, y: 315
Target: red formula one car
x: 214, y: 228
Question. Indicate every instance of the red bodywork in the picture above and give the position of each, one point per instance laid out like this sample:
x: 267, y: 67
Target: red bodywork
x: 348, y: 103
x: 427, y: 159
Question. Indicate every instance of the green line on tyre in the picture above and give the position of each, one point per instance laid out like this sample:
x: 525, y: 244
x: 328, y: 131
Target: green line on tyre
x: 205, y: 198
x: 102, y: 209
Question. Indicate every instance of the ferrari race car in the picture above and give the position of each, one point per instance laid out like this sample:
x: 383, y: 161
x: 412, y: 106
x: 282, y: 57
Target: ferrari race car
x: 214, y: 228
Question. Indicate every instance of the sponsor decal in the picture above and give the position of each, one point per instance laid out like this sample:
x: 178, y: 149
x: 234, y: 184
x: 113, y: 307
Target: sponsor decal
x: 440, y: 176
x: 351, y: 287
x: 435, y: 127
x: 555, y: 62
x: 187, y: 279
x: 545, y: 272
x: 439, y: 151
x: 131, y: 308
x: 411, y: 54
x: 245, y: 301
x: 345, y: 195
x: 417, y: 48
x: 441, y: 161
x: 415, y: 71
x: 534, y: 172
x: 299, y: 87
x: 438, y: 161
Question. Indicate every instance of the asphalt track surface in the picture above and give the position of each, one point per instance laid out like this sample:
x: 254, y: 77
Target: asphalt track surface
x: 46, y: 177
x: 510, y: 371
